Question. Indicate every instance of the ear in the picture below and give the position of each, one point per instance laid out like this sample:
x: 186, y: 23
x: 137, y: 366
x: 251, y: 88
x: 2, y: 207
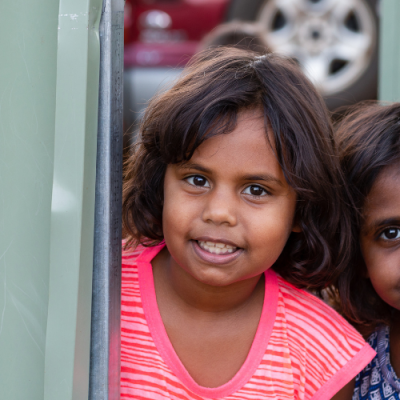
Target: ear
x: 296, y: 228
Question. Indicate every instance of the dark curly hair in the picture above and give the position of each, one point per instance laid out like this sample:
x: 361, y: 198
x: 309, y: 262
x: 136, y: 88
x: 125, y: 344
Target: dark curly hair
x: 368, y: 140
x: 205, y: 101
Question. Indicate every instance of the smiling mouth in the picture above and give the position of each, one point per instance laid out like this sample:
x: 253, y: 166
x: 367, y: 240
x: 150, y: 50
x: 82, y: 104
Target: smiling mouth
x: 216, y: 248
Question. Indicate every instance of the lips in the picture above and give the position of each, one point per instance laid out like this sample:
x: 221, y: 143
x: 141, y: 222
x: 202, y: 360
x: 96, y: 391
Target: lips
x: 216, y: 252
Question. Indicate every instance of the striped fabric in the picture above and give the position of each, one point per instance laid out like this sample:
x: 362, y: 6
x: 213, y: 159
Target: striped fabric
x: 302, y: 348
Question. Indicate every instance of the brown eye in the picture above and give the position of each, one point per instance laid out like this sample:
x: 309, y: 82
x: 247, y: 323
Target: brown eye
x: 391, y: 234
x: 255, y: 190
x: 198, y: 180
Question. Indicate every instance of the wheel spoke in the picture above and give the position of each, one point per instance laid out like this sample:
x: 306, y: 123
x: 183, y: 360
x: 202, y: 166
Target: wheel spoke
x: 290, y: 50
x: 289, y: 7
x: 350, y: 47
x: 316, y: 68
x: 341, y: 9
x: 320, y: 7
x: 283, y: 42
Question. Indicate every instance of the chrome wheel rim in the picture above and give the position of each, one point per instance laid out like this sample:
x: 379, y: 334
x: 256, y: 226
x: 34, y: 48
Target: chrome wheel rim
x: 333, y: 40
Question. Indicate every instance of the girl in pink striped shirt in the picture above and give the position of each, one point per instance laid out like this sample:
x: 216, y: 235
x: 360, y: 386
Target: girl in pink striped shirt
x: 233, y: 204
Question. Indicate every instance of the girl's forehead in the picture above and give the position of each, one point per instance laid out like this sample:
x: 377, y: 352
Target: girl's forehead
x: 382, y: 201
x: 386, y: 181
x: 250, y: 132
x: 249, y: 136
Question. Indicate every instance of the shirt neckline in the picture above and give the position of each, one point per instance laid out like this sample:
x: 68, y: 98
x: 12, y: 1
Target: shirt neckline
x: 166, y: 350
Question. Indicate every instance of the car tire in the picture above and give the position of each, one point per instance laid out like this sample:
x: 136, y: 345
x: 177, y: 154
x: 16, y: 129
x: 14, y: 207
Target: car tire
x: 361, y: 86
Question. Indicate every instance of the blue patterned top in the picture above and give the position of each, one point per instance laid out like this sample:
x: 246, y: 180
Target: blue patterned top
x: 378, y: 381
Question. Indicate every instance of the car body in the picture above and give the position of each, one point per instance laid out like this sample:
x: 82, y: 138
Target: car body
x: 160, y: 37
x: 334, y: 41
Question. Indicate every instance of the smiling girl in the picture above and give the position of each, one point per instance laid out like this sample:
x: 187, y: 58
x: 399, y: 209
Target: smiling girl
x: 369, y: 142
x: 232, y: 204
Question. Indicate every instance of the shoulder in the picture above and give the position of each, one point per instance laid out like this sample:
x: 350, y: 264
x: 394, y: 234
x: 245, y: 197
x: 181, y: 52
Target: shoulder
x: 373, y: 365
x: 326, y: 350
x: 373, y: 338
x: 372, y: 380
x: 317, y: 319
x: 130, y: 254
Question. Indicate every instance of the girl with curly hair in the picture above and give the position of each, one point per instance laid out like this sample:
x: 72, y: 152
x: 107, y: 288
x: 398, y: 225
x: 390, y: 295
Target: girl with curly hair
x: 234, y: 204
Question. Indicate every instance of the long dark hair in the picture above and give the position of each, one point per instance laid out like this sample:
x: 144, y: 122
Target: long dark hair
x: 205, y: 102
x: 368, y: 139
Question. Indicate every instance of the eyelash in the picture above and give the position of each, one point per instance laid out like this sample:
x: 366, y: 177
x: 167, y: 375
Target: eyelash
x: 190, y: 179
x: 383, y: 233
x: 265, y: 193
x: 187, y: 179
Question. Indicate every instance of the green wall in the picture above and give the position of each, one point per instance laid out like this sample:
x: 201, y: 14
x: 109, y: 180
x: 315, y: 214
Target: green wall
x: 389, y: 51
x: 48, y: 124
x: 28, y: 43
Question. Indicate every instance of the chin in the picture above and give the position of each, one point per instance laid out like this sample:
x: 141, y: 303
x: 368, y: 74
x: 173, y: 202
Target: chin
x: 214, y: 278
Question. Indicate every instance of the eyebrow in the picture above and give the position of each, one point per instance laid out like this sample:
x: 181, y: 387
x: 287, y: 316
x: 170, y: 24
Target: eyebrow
x: 263, y: 177
x: 197, y: 167
x: 257, y: 177
x: 380, y: 223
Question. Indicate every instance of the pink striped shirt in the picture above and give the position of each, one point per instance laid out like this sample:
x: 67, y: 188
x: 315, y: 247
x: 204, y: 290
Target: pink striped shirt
x: 302, y: 348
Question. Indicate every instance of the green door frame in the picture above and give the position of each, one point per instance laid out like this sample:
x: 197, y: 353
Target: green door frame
x: 49, y: 85
x: 389, y: 51
x: 67, y: 352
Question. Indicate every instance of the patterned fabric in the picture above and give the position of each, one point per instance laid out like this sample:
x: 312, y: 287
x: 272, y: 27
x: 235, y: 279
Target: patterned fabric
x: 378, y: 381
x: 302, y: 348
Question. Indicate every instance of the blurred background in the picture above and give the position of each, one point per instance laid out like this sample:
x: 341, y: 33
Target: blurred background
x: 334, y: 41
x: 49, y: 97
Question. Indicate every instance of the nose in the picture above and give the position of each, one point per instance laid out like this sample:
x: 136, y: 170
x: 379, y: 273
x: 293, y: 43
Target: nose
x: 221, y: 208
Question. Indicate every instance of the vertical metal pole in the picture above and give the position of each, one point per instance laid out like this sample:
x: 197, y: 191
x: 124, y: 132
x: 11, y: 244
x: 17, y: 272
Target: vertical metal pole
x: 105, y: 333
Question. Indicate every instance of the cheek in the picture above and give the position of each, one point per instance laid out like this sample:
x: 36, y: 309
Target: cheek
x: 270, y: 232
x: 270, y: 229
x: 172, y: 217
x: 373, y: 260
x: 173, y: 228
x: 384, y: 272
x: 178, y: 213
x: 384, y: 287
x: 380, y: 280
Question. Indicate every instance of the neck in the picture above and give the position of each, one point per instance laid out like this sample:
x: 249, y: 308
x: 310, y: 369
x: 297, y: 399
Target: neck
x: 175, y: 282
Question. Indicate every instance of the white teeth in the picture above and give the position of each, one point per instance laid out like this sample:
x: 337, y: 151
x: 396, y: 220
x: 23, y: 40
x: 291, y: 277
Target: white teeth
x: 217, y: 248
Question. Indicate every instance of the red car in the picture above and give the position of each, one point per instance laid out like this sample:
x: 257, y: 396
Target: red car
x: 160, y: 37
x: 167, y: 32
x: 335, y: 42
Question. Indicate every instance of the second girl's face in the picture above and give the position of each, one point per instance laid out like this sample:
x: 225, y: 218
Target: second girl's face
x: 380, y: 235
x: 228, y: 211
